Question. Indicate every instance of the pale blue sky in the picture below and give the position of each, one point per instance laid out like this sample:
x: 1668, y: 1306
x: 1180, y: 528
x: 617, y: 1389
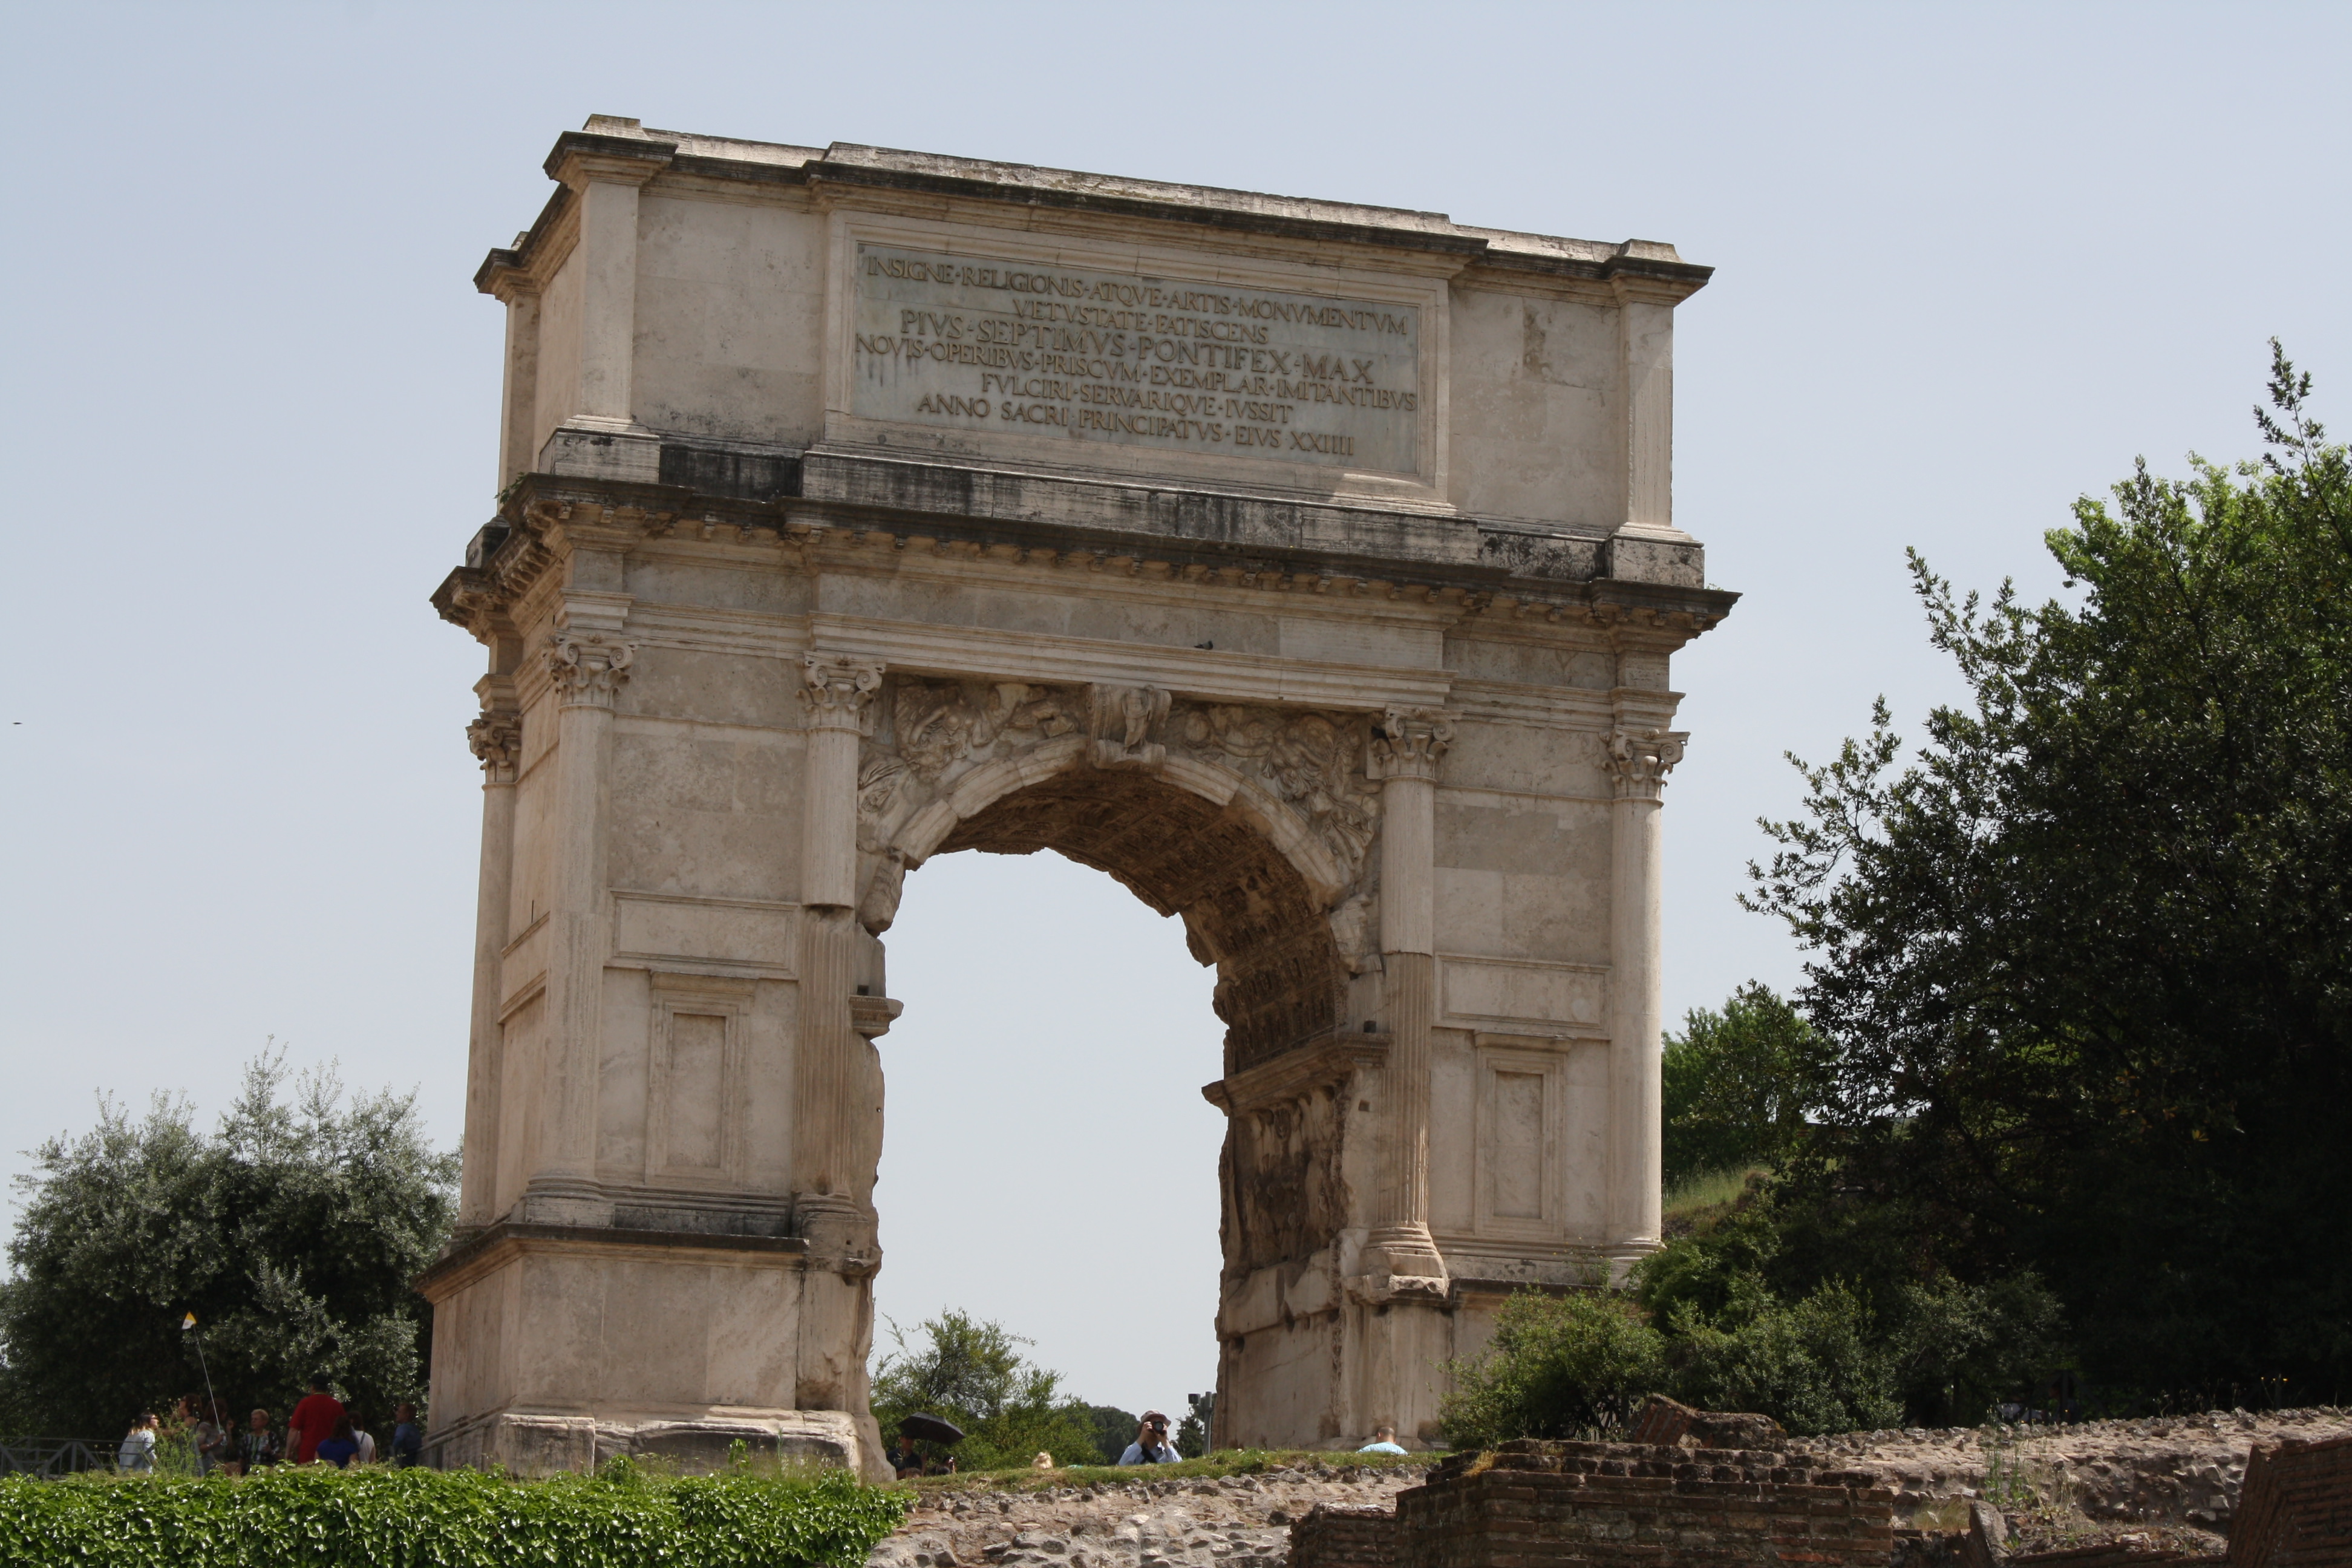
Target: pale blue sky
x: 1971, y: 261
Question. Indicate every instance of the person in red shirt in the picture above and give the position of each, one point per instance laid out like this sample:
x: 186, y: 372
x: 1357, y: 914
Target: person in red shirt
x: 313, y: 1422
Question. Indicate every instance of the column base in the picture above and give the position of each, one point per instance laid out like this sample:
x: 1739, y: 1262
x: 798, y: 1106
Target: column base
x: 563, y: 1201
x: 1407, y: 1257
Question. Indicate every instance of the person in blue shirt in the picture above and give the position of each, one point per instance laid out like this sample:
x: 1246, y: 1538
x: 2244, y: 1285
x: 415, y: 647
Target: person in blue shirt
x: 341, y: 1448
x: 1383, y: 1441
x: 407, y: 1441
x: 1151, y: 1445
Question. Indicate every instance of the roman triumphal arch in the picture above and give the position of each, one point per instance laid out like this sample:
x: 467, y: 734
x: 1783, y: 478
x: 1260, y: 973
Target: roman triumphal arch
x: 1308, y: 568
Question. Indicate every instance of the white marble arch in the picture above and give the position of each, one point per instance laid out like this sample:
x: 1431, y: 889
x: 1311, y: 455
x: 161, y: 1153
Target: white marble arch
x: 1384, y: 617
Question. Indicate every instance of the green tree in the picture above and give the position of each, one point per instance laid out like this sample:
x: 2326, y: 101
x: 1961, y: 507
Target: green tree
x: 974, y: 1375
x: 291, y: 1234
x: 2083, y: 967
x: 1735, y: 1084
x: 1192, y: 1432
x: 1113, y: 1430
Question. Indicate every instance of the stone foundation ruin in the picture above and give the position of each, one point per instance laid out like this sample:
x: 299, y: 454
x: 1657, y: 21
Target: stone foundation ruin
x: 1680, y: 1493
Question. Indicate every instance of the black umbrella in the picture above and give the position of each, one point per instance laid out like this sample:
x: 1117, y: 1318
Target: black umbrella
x: 931, y: 1427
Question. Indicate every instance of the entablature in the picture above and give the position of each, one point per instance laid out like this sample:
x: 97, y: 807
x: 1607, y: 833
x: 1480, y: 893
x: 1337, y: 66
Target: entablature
x: 1505, y: 576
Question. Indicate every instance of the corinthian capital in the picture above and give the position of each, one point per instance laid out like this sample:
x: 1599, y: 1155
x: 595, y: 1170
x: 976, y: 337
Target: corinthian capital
x: 1408, y: 742
x: 838, y: 689
x: 497, y: 739
x: 588, y: 669
x: 1639, y: 759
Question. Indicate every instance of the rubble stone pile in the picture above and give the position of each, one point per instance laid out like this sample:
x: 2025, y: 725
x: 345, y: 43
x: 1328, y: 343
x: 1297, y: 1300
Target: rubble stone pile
x: 1234, y: 1521
x: 2163, y: 1483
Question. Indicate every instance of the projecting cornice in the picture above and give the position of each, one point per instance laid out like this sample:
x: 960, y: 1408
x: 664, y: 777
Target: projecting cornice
x: 614, y: 147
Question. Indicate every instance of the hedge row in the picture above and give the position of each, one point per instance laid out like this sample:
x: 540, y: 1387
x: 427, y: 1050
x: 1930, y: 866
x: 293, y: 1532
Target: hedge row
x: 320, y: 1518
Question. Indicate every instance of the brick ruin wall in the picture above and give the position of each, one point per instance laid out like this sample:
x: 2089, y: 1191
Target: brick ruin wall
x: 2295, y: 1511
x: 1341, y: 1536
x: 1619, y: 1505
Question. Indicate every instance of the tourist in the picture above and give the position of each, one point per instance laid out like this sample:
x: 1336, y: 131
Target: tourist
x: 312, y: 1423
x: 407, y: 1440
x: 1383, y: 1441
x: 361, y: 1436
x: 257, y: 1445
x: 1043, y: 1461
x: 213, y: 1437
x: 340, y: 1449
x: 138, y: 1451
x: 1151, y: 1445
x: 908, y: 1463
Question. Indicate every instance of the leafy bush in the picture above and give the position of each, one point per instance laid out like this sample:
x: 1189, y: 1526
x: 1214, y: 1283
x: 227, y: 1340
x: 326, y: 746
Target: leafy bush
x: 1560, y: 1366
x: 1813, y: 1366
x: 375, y: 1518
x: 1756, y: 1298
x: 1755, y: 1310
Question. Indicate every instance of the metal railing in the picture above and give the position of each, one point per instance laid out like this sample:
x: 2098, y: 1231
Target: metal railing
x: 49, y: 1457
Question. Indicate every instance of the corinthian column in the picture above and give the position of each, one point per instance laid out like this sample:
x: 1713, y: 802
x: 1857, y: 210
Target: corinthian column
x: 1407, y: 745
x: 1639, y: 761
x: 838, y: 692
x: 584, y: 672
x: 496, y: 740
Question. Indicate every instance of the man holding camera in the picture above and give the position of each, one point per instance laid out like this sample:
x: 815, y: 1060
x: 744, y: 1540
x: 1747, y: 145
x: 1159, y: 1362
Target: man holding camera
x: 1151, y: 1445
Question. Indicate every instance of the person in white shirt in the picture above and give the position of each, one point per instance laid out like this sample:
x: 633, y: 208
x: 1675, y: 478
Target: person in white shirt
x: 138, y: 1451
x: 1151, y: 1445
x: 366, y: 1456
x: 1383, y: 1441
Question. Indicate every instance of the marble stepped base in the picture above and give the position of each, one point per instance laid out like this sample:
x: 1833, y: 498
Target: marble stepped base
x: 528, y: 1444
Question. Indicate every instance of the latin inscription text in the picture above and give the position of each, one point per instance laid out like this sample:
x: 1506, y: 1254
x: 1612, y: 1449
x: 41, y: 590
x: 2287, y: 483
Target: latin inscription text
x: 957, y: 342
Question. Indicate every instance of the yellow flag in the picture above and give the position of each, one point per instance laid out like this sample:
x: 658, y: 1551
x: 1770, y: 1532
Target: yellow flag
x: 187, y: 1322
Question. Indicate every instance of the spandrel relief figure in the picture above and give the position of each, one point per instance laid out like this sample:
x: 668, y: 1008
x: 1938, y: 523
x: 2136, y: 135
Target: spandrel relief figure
x: 1308, y: 761
x: 939, y: 725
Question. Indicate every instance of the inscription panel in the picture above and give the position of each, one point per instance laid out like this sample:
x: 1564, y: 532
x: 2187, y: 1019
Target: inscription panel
x: 984, y: 345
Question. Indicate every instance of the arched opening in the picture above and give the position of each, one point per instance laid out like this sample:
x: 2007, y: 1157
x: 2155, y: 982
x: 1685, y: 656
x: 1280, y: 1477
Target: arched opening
x: 1048, y: 1161
x: 1246, y: 909
x: 1281, y: 983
